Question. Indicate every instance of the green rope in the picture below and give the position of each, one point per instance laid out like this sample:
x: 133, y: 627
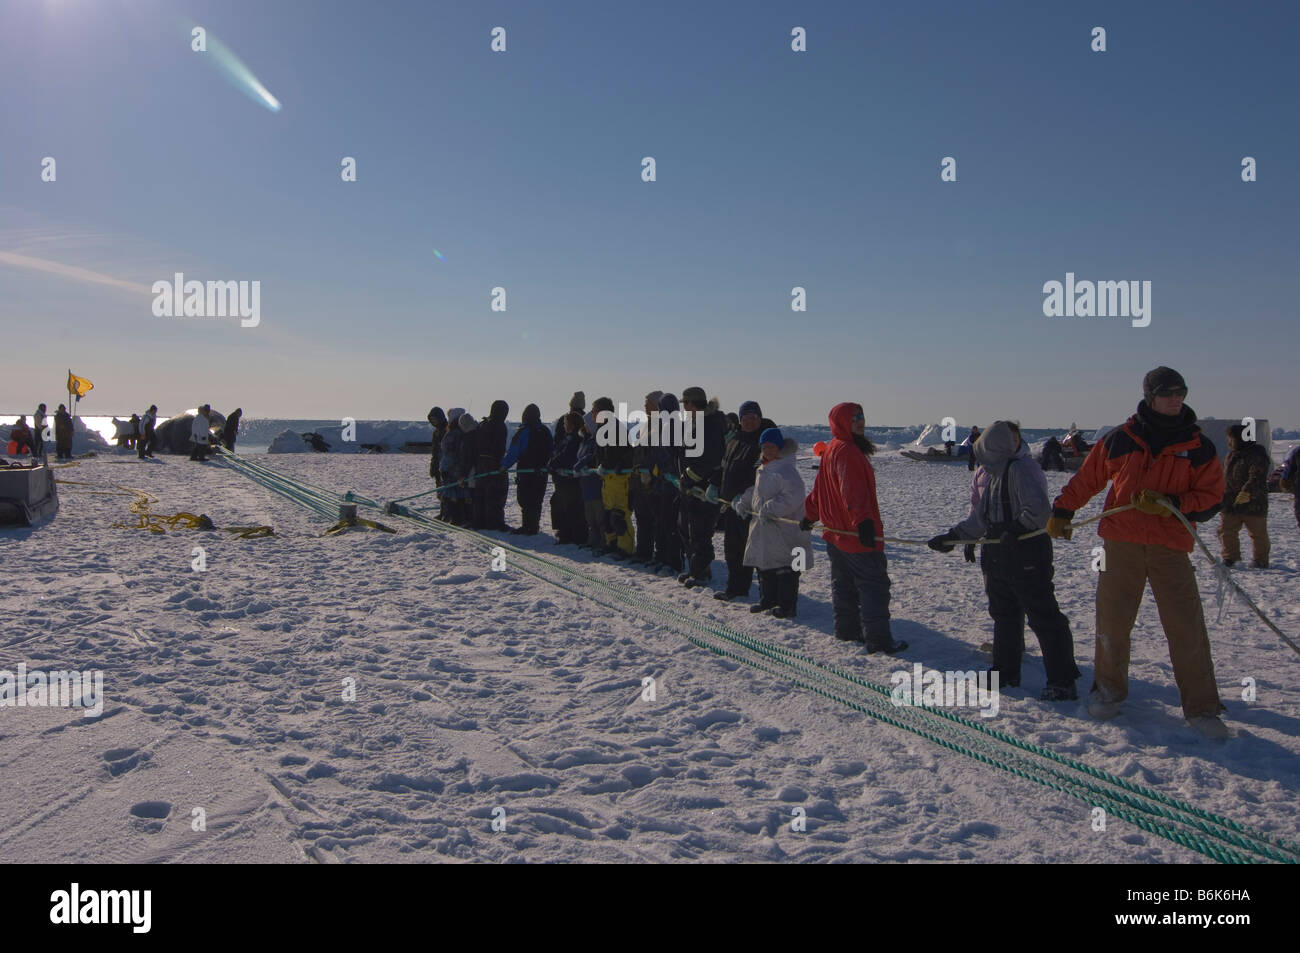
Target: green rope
x: 1123, y: 798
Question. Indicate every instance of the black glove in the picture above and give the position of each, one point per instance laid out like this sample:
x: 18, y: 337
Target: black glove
x: 969, y: 552
x: 943, y: 542
x: 806, y: 524
x: 867, y: 533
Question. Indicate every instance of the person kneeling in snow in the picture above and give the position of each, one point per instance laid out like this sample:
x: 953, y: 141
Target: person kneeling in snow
x: 1012, y: 500
x: 775, y: 502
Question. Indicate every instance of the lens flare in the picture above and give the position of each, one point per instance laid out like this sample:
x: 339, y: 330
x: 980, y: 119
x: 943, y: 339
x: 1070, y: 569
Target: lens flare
x: 439, y: 254
x: 233, y: 70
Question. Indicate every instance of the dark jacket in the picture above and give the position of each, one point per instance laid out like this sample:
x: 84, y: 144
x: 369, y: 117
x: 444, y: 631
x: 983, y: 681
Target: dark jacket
x: 530, y: 447
x: 710, y: 458
x: 490, y: 439
x: 739, y: 460
x: 591, y: 483
x: 231, y: 429
x: 564, y: 456
x: 1247, y: 468
x: 62, y: 425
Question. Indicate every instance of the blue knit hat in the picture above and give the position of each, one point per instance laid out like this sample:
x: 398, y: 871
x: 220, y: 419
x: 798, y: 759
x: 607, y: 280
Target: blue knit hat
x: 772, y: 435
x: 750, y: 407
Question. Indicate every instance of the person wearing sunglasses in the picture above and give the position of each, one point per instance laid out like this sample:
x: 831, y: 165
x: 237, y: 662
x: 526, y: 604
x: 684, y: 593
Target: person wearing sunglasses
x: 1158, y: 454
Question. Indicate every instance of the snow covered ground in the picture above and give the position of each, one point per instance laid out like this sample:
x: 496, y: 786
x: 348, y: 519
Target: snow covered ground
x: 479, y: 690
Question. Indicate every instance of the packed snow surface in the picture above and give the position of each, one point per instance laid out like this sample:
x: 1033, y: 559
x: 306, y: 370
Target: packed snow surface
x: 485, y: 696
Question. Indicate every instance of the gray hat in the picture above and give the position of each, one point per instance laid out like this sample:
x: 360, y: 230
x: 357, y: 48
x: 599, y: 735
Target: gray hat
x: 578, y: 402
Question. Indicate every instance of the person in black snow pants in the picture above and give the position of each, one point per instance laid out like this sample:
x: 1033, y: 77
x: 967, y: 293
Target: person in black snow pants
x: 1017, y: 572
x: 567, y: 520
x: 491, y: 486
x: 530, y: 450
x: 437, y: 420
x: 734, y: 477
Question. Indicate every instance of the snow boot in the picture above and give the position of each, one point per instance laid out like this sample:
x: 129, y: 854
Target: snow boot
x: 1059, y: 693
x: 889, y: 648
x: 1209, y: 726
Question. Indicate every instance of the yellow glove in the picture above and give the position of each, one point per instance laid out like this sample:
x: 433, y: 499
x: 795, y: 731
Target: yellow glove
x: 1059, y: 528
x: 1148, y: 501
x: 1242, y: 498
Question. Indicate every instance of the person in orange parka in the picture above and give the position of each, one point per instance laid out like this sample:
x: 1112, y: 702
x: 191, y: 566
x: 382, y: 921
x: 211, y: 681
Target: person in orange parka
x: 1158, y: 451
x: 843, y: 497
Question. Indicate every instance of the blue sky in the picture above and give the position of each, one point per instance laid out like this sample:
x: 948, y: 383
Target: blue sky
x: 775, y: 169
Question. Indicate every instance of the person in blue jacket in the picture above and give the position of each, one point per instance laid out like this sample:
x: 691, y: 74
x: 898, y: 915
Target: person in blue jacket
x: 530, y: 449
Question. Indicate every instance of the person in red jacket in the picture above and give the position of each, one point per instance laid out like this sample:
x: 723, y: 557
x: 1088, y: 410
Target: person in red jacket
x: 1159, y: 452
x: 843, y: 498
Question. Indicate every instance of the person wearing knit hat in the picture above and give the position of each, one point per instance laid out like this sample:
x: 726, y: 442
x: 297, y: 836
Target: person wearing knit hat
x: 734, y: 477
x: 774, y: 506
x: 1157, y: 460
x: 578, y: 402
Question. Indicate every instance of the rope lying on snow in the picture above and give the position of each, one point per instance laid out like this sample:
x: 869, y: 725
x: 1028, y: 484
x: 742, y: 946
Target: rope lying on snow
x: 1180, y: 822
x: 156, y: 522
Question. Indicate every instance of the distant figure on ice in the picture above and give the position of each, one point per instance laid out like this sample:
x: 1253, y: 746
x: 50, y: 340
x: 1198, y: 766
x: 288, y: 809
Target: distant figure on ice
x: 133, y: 438
x: 145, y: 445
x: 969, y: 444
x: 530, y: 449
x: 1018, y: 572
x: 62, y: 434
x: 774, y: 506
x: 20, y: 438
x: 1245, y: 498
x: 230, y: 432
x: 1291, y: 479
x: 38, y: 432
x: 1052, y: 458
x: 843, y: 498
x: 318, y: 443
x: 1158, y: 452
x: 466, y: 461
x: 201, y: 434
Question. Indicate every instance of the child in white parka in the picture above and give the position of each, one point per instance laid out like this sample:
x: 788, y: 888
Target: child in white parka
x: 776, y: 544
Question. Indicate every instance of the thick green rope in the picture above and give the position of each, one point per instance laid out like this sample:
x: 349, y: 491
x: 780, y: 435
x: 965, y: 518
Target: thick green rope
x: 814, y: 676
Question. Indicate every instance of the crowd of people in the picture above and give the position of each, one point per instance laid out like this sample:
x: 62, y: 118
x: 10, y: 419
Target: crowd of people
x: 656, y: 506
x: 139, y: 434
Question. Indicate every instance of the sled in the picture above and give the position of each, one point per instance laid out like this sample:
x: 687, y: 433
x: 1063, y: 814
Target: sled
x: 27, y: 495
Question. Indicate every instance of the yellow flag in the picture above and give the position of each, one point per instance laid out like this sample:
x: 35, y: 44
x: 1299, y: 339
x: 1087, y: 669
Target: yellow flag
x: 78, y: 385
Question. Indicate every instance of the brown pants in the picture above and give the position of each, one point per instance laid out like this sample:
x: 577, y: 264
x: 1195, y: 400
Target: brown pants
x: 1119, y: 595
x: 1230, y: 530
